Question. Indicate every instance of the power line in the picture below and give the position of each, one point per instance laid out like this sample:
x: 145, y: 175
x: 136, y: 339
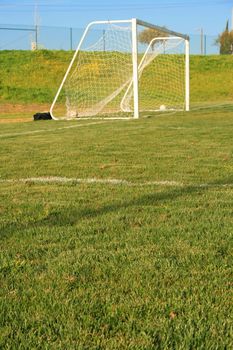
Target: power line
x: 59, y: 6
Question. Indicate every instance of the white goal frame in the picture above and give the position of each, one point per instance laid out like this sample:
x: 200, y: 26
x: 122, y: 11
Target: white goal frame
x: 135, y: 74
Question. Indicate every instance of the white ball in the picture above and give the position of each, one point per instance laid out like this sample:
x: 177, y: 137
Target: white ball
x: 162, y: 108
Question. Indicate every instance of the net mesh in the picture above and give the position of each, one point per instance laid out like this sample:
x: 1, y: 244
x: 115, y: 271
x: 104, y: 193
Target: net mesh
x: 100, y: 81
x: 99, y: 75
x: 161, y: 74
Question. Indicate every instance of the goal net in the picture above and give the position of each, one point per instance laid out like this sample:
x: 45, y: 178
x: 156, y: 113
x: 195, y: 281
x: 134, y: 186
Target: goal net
x: 122, y: 68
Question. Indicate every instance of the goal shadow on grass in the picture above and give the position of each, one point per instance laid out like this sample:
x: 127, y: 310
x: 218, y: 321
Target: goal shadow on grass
x: 154, y: 199
x: 71, y: 216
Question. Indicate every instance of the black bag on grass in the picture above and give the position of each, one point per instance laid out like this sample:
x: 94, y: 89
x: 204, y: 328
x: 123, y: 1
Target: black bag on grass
x: 42, y: 116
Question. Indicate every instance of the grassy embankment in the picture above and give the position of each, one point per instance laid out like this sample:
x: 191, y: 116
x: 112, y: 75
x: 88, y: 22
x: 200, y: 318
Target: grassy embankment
x: 33, y: 78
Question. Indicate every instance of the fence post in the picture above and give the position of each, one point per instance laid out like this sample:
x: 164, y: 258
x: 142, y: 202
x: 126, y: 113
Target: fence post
x: 71, y: 39
x: 36, y: 36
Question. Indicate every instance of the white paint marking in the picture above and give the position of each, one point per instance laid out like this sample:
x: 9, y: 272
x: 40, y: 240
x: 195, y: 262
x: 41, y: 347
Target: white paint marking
x: 48, y: 130
x: 64, y: 180
x: 115, y: 182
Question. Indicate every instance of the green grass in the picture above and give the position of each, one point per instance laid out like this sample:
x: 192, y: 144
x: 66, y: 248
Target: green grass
x: 103, y: 266
x: 28, y: 77
x: 34, y: 77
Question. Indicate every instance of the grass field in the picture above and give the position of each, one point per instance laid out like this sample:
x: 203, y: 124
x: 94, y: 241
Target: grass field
x: 117, y: 234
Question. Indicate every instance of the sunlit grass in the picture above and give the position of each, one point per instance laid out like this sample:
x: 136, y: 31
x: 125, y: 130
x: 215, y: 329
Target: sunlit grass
x: 103, y: 266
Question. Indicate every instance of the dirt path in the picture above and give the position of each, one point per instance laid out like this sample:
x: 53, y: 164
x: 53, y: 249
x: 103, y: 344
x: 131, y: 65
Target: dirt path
x: 14, y: 120
x: 23, y: 108
x: 20, y: 113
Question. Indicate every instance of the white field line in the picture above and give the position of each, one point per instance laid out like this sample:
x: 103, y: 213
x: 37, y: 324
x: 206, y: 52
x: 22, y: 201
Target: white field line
x: 115, y: 182
x: 95, y: 123
x: 49, y: 130
x: 65, y: 180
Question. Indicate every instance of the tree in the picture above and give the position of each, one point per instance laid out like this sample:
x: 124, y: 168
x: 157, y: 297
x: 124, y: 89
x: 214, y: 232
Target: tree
x: 148, y: 34
x: 225, y: 41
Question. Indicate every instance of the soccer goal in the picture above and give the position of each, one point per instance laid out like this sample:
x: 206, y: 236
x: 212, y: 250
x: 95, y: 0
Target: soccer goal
x: 121, y: 69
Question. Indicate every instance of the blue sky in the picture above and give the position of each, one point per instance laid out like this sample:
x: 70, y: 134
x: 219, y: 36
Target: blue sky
x: 180, y: 15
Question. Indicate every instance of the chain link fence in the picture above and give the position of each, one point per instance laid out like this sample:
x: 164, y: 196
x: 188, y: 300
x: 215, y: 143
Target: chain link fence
x: 21, y: 37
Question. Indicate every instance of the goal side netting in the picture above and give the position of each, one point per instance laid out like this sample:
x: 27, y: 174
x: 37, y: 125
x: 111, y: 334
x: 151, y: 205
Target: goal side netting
x: 161, y: 77
x: 113, y: 76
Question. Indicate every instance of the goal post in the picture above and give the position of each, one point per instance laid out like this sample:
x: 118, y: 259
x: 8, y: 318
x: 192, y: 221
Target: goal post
x: 134, y: 82
x: 116, y: 74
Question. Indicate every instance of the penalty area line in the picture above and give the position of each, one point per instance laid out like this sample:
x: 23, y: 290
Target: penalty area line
x: 66, y: 180
x: 113, y: 182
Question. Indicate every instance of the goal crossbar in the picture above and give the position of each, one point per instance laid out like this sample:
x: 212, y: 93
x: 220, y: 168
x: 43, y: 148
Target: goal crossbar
x: 162, y: 29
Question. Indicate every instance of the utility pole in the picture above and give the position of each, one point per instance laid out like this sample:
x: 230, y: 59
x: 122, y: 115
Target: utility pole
x: 205, y: 44
x: 202, y: 41
x: 36, y: 22
x: 232, y: 29
x: 232, y: 19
